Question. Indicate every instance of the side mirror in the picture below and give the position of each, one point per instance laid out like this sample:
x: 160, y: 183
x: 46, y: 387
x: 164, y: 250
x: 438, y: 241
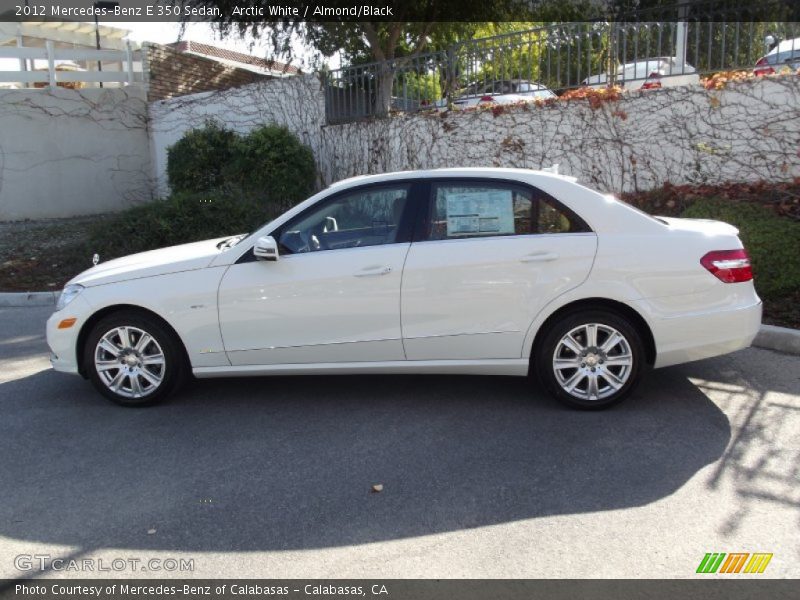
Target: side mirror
x: 266, y: 248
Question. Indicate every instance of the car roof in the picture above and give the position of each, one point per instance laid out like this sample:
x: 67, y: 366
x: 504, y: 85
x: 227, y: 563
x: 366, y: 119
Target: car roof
x: 786, y: 46
x: 470, y: 172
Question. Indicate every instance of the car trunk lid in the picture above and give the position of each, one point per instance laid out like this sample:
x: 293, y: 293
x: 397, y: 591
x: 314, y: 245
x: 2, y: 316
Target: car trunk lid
x: 703, y: 226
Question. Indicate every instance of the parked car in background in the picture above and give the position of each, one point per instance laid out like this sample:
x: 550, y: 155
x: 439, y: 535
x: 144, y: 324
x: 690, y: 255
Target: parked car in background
x: 473, y: 271
x: 508, y: 91
x: 785, y: 54
x: 650, y: 73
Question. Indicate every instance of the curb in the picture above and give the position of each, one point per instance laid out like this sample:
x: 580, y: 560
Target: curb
x: 781, y: 339
x: 770, y: 337
x: 16, y: 299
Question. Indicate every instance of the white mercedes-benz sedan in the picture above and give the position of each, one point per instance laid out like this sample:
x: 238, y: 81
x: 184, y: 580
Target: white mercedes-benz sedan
x: 474, y: 271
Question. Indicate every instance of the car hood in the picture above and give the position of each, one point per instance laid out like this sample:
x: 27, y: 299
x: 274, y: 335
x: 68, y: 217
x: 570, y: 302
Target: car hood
x: 184, y: 257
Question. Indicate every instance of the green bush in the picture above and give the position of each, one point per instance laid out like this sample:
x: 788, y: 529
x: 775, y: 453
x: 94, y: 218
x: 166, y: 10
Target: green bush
x: 198, y: 161
x: 272, y: 162
x: 269, y: 162
x: 771, y: 241
x: 184, y: 217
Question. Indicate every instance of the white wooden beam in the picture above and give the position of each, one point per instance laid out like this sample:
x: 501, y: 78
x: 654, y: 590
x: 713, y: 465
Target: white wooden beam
x: 24, y: 76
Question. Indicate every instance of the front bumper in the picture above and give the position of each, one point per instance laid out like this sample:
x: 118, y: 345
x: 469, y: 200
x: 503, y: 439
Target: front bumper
x: 63, y: 343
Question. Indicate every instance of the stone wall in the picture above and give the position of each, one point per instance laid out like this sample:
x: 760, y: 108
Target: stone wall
x: 746, y: 132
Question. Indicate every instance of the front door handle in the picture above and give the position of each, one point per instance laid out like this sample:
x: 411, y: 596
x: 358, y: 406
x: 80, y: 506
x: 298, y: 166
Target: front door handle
x: 539, y: 257
x: 374, y: 271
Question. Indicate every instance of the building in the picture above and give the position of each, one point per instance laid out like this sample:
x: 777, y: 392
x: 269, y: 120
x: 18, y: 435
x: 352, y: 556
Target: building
x: 187, y: 67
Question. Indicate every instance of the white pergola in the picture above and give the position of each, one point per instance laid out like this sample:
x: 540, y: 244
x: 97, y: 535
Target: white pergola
x: 59, y: 46
x: 63, y: 33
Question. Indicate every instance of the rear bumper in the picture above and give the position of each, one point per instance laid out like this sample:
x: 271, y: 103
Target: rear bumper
x: 686, y: 338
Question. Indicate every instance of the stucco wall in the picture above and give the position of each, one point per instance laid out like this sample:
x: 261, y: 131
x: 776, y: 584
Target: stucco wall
x: 747, y: 131
x: 65, y: 152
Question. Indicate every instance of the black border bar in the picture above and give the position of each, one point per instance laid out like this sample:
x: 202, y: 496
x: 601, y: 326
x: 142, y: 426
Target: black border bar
x: 354, y: 11
x: 714, y: 587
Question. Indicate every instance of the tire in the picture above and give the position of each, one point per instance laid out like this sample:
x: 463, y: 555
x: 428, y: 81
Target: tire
x: 141, y: 372
x: 615, y: 369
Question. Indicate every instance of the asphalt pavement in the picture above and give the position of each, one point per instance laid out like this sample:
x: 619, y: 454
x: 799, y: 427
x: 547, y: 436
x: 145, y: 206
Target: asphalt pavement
x: 481, y: 476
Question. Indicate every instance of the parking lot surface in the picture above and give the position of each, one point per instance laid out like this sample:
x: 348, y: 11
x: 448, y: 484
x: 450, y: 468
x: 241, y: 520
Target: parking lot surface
x: 481, y: 476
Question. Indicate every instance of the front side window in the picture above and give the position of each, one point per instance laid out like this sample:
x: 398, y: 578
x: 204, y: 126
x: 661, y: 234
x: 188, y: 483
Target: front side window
x: 367, y: 217
x: 486, y: 210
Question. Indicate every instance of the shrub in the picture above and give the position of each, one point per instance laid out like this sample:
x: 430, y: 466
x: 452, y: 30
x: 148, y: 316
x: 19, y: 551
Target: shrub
x: 671, y: 200
x: 184, y: 217
x: 198, y: 161
x: 271, y: 162
x: 771, y: 240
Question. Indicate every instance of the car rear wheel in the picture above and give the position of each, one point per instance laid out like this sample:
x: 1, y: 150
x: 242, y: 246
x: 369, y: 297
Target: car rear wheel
x: 132, y: 359
x: 590, y: 360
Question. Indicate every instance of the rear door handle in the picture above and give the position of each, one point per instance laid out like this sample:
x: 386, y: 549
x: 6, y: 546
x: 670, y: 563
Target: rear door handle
x: 374, y: 271
x: 539, y: 257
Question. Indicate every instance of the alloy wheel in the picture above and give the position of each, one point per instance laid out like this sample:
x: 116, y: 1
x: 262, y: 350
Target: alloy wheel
x: 592, y: 361
x: 129, y: 362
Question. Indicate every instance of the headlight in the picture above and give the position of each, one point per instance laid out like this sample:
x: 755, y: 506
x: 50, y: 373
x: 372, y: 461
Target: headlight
x: 69, y: 294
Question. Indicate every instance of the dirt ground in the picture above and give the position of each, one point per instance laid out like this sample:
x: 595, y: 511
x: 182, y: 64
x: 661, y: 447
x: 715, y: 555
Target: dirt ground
x: 44, y: 254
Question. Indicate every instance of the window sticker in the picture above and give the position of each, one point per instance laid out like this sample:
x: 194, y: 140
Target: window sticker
x: 488, y: 212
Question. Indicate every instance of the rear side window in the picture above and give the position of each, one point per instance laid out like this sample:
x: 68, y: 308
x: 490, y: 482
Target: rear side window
x: 468, y: 210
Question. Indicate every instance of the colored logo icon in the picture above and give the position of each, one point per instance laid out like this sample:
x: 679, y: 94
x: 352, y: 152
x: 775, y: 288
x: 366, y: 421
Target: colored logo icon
x: 734, y: 562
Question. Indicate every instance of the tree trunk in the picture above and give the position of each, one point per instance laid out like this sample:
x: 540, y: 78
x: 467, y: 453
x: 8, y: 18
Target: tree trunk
x: 383, y: 92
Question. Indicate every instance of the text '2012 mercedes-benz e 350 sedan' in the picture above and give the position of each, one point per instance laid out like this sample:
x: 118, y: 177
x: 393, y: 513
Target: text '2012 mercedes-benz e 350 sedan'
x: 475, y: 271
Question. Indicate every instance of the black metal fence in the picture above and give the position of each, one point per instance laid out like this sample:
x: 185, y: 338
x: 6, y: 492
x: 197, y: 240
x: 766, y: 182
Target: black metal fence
x: 676, y: 50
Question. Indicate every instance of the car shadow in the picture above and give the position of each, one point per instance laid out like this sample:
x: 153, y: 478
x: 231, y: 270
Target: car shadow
x: 289, y: 462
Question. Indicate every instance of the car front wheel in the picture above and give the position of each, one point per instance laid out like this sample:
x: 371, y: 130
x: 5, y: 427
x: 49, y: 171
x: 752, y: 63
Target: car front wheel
x: 132, y: 359
x: 590, y: 360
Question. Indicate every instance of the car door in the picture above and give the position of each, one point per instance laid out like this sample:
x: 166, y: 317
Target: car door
x: 333, y: 295
x: 488, y: 257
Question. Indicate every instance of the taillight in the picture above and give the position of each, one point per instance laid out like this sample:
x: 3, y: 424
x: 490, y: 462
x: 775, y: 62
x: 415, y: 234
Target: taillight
x: 487, y: 99
x: 653, y: 81
x: 729, y: 266
x: 763, y: 67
